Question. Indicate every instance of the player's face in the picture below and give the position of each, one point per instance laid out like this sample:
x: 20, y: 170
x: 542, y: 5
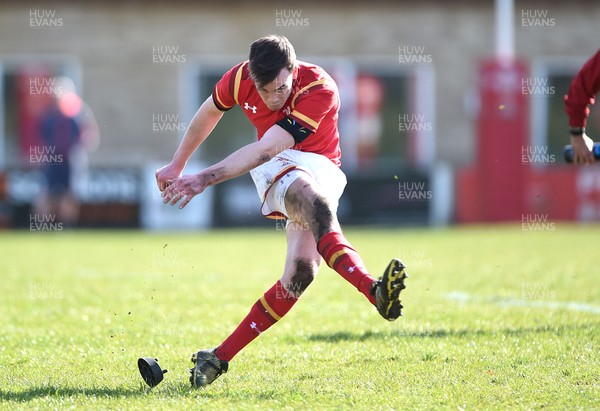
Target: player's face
x: 276, y: 93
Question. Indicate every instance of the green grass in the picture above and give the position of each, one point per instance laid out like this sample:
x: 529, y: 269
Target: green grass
x: 495, y: 318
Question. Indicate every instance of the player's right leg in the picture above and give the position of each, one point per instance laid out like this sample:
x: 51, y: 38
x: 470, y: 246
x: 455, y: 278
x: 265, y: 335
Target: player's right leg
x: 302, y: 263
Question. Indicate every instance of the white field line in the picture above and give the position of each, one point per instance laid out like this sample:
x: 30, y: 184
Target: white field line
x: 463, y: 297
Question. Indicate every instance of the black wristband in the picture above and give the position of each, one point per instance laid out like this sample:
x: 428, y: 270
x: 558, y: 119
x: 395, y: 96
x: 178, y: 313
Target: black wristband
x: 576, y: 131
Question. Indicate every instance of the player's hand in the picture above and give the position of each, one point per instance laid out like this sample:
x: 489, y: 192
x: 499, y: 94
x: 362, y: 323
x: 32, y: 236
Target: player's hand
x: 184, y: 189
x: 166, y: 175
x: 582, y: 149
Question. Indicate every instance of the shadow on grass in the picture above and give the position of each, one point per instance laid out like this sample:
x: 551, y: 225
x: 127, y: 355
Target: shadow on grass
x: 65, y: 392
x: 449, y: 332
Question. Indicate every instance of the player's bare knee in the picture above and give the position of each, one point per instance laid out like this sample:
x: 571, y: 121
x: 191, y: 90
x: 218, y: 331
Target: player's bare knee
x: 304, y: 274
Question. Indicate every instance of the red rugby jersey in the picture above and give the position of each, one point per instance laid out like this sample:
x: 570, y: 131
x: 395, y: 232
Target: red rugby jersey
x: 583, y: 88
x: 314, y: 103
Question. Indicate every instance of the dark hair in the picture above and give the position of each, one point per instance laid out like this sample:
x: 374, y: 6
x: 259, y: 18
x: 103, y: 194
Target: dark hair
x: 268, y: 56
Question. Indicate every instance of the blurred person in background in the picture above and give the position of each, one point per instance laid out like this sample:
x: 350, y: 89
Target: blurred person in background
x: 582, y: 92
x: 68, y: 131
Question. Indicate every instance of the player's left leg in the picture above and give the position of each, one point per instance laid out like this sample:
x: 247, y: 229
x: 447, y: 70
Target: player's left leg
x: 302, y: 263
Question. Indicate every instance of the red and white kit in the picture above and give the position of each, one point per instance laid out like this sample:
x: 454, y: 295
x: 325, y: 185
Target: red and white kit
x: 314, y: 103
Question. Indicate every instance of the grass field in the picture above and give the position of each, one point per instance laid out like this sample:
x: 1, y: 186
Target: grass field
x: 495, y: 318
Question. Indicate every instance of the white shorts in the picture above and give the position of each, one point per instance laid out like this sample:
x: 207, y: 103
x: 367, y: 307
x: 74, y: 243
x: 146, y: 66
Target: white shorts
x: 273, y: 178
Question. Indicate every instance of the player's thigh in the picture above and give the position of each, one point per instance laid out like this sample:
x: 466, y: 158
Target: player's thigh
x: 306, y: 201
x: 302, y: 259
x: 299, y: 198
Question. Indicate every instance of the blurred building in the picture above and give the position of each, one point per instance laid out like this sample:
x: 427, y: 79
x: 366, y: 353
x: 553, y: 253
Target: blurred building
x: 408, y: 73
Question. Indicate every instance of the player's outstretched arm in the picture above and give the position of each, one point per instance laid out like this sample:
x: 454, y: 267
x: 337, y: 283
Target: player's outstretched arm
x: 275, y: 140
x: 202, y: 124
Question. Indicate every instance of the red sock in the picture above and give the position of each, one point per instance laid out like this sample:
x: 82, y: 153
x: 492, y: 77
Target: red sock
x: 344, y: 259
x: 269, y: 309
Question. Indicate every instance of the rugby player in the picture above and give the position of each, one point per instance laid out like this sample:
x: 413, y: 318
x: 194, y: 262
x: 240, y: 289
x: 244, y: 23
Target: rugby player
x: 295, y: 165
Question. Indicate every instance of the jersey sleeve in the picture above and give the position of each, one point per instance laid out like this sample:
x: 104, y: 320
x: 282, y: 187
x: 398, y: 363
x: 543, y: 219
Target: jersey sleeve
x: 581, y: 93
x: 311, y: 105
x: 224, y: 92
